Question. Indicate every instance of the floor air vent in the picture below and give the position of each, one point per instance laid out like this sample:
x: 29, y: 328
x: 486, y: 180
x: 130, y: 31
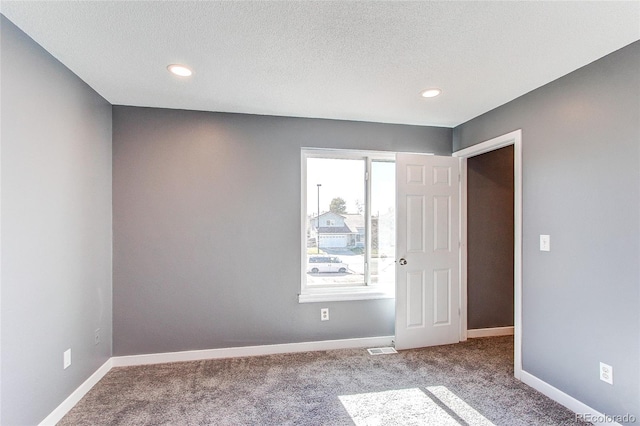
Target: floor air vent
x: 382, y: 351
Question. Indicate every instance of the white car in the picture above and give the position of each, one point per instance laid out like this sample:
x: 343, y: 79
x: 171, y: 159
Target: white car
x: 321, y: 264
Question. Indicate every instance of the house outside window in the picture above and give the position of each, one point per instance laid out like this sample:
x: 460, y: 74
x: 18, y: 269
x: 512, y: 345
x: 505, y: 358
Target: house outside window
x: 348, y: 211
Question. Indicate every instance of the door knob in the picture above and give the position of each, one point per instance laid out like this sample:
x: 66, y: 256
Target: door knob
x: 402, y: 261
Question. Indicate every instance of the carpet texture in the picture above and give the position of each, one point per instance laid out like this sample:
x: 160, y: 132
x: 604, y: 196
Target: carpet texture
x: 470, y: 383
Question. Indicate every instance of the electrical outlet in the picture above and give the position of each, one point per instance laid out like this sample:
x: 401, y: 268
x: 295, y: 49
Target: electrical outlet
x: 66, y: 359
x: 96, y: 336
x: 324, y: 314
x: 606, y: 373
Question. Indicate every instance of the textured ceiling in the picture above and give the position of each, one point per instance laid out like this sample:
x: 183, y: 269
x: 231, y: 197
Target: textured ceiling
x: 364, y: 61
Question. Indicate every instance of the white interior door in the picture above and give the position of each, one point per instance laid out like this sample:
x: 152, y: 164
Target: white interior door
x: 427, y: 272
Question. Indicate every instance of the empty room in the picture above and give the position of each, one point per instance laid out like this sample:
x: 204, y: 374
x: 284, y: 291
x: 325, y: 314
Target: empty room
x: 319, y: 213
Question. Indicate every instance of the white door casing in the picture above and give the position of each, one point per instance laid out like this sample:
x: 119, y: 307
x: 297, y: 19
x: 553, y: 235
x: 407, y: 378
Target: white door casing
x: 427, y: 286
x: 513, y: 138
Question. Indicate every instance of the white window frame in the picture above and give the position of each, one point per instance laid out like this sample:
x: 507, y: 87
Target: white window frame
x: 367, y: 291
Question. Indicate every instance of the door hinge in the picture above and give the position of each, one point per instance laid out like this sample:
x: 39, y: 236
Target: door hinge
x: 366, y: 176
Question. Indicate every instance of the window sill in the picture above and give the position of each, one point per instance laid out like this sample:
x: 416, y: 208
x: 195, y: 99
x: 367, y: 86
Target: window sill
x: 343, y: 295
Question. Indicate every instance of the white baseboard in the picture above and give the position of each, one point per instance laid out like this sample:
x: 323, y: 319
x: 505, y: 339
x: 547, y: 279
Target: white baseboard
x: 62, y: 409
x: 590, y: 415
x: 57, y: 414
x: 323, y: 345
x: 490, y: 332
x: 122, y: 361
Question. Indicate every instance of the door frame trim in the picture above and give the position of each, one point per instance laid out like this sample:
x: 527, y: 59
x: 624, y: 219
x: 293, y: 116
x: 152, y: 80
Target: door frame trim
x: 513, y: 138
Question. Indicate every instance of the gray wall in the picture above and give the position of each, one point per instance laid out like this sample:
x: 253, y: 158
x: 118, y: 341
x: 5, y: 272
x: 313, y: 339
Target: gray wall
x: 196, y: 265
x: 56, y: 229
x: 581, y: 185
x: 490, y: 239
x: 194, y: 268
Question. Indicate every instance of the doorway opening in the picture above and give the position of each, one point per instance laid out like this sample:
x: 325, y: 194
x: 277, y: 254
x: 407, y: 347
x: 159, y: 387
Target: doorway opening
x: 513, y: 138
x: 490, y: 243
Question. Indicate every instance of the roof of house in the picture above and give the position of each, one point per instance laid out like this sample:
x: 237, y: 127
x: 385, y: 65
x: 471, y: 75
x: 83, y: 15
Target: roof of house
x: 354, y: 221
x: 352, y: 224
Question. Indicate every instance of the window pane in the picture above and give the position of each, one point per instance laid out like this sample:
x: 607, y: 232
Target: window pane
x: 335, y: 202
x: 383, y: 223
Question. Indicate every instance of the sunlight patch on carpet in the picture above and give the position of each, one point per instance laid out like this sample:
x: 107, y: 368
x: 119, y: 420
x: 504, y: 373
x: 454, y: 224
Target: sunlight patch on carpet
x: 411, y: 407
x: 458, y: 406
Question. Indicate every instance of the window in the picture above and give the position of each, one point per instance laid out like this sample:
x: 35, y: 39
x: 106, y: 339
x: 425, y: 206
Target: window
x: 348, y: 220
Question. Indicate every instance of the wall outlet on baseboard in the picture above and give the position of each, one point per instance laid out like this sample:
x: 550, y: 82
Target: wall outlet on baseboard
x: 606, y: 373
x: 66, y: 359
x: 324, y: 314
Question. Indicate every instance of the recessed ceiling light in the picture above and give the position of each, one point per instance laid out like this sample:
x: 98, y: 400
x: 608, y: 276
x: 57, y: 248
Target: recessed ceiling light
x: 430, y: 93
x: 180, y: 70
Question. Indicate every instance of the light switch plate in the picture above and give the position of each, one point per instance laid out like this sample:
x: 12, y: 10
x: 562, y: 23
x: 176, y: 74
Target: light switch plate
x: 545, y: 243
x: 66, y: 359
